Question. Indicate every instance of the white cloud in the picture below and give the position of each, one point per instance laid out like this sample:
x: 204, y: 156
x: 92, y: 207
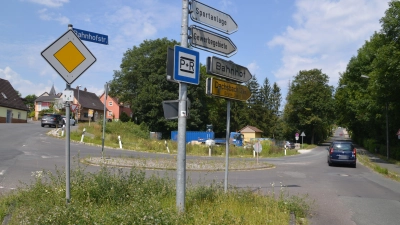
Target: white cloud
x: 253, y: 68
x: 326, y: 34
x: 50, y: 3
x: 50, y: 16
x: 25, y: 87
x: 137, y: 25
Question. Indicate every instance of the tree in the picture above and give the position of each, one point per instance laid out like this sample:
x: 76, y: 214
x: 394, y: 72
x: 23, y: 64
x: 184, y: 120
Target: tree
x: 142, y: 83
x: 310, y: 104
x: 276, y: 99
x: 29, y: 101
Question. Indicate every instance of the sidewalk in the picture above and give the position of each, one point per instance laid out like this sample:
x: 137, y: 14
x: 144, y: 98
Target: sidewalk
x: 393, y: 168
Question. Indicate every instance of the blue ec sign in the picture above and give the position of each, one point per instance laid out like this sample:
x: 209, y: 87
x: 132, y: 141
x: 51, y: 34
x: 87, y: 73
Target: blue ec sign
x: 186, y: 65
x: 91, y: 36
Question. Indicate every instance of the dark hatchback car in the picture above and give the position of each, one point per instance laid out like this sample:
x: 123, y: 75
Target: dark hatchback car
x: 51, y: 120
x: 341, y: 152
x: 289, y: 145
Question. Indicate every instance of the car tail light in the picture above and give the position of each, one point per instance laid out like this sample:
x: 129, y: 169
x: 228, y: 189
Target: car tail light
x: 330, y: 150
x: 354, y: 152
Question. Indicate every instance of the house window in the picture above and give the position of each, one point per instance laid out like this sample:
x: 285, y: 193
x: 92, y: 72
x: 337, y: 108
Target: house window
x: 45, y: 105
x: 19, y: 115
x: 86, y: 115
x: 110, y: 113
x: 110, y: 103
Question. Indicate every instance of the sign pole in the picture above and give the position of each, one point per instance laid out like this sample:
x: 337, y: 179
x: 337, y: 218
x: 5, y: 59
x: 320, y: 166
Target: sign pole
x: 104, y: 119
x: 181, y: 157
x: 67, y: 150
x: 228, y: 122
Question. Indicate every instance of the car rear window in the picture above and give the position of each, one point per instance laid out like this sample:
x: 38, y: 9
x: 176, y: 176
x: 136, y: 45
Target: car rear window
x: 342, y: 147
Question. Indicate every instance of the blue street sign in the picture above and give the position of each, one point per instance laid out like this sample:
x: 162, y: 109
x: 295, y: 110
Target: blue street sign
x: 91, y: 36
x: 186, y: 65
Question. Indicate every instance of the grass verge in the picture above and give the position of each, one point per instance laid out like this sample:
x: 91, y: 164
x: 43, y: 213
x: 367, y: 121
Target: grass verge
x: 116, y: 196
x: 136, y: 137
x: 364, y: 159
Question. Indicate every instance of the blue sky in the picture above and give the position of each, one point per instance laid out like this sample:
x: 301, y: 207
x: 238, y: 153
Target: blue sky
x: 276, y: 38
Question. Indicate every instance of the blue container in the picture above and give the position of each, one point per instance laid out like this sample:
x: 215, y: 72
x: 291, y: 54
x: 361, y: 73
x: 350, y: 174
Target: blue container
x: 201, y: 136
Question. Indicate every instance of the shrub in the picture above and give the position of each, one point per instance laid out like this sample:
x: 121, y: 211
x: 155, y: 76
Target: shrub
x: 124, y: 117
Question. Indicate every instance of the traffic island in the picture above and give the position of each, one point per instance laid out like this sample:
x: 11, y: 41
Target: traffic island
x: 170, y: 164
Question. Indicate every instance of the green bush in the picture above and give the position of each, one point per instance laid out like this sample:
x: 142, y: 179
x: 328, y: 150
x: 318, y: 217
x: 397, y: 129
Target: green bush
x: 370, y: 145
x: 124, y: 117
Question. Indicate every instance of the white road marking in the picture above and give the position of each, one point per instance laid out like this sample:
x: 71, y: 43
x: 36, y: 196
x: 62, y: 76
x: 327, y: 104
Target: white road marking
x: 2, y: 172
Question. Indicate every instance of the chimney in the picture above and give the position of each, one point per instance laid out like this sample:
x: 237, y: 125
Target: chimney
x: 77, y: 87
x: 85, y: 89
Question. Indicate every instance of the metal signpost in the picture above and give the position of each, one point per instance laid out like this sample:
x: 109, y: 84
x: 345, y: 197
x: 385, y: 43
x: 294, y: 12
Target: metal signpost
x: 218, y: 44
x: 211, y: 41
x: 186, y: 71
x: 257, y: 148
x: 302, y: 135
x: 70, y: 58
x: 104, y: 118
x: 227, y: 69
x: 211, y: 17
x: 181, y: 156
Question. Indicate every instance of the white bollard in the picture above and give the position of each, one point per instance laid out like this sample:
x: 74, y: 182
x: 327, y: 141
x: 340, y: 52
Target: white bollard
x: 83, y: 134
x: 210, y: 143
x: 166, y: 144
x: 62, y: 131
x: 120, y: 143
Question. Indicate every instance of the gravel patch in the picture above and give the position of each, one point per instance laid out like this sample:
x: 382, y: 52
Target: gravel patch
x: 170, y: 164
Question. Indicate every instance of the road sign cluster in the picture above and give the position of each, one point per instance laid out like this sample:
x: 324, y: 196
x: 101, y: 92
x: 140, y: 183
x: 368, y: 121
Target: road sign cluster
x: 186, y: 63
x: 216, y: 43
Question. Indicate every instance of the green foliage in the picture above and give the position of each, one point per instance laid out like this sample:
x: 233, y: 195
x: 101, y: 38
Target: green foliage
x: 124, y: 117
x: 112, y: 196
x: 29, y: 100
x: 310, y: 105
x: 363, y: 102
x: 31, y: 114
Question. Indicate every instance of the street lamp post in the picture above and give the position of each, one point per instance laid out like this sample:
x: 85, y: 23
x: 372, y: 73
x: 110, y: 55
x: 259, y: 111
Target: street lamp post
x: 387, y: 124
x: 79, y: 109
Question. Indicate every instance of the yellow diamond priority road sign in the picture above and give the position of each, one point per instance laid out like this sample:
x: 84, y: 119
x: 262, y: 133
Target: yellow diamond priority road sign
x: 69, y: 56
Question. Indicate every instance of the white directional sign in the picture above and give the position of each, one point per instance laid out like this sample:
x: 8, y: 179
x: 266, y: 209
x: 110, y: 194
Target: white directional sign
x: 227, y: 69
x: 186, y: 65
x: 211, y: 17
x: 212, y: 42
x: 69, y: 56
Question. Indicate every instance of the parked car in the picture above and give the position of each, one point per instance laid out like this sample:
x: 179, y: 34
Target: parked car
x: 71, y: 121
x: 51, y: 120
x: 290, y: 145
x: 342, y: 152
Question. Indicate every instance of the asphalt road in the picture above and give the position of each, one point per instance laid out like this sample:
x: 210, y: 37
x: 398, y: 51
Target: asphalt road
x: 342, y: 195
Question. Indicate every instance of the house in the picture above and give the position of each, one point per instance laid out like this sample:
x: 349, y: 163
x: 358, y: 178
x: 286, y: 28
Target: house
x: 115, y: 108
x: 250, y: 132
x: 45, y: 100
x: 87, y: 102
x: 12, y: 108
